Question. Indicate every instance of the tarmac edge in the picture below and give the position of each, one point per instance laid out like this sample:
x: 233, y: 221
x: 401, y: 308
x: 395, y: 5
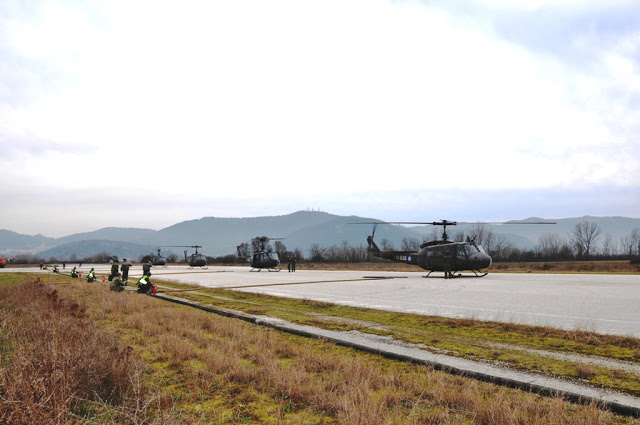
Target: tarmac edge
x: 603, y: 400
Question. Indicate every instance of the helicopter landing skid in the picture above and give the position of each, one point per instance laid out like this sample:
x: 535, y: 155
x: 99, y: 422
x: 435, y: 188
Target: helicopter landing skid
x: 477, y: 273
x: 201, y: 267
x: 260, y: 268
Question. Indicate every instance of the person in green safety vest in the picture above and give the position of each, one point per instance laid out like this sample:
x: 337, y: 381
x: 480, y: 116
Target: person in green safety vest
x: 144, y: 284
x: 91, y: 276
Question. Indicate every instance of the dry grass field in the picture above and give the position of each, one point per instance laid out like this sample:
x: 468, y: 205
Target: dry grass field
x: 77, y: 353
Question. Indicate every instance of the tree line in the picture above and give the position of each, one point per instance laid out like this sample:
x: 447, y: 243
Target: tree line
x: 585, y: 242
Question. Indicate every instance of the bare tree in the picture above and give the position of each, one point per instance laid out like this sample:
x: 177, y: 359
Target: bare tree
x: 584, y: 237
x: 609, y: 246
x: 316, y: 252
x: 630, y: 244
x: 280, y: 249
x: 410, y: 244
x: 244, y: 250
x: 549, y: 245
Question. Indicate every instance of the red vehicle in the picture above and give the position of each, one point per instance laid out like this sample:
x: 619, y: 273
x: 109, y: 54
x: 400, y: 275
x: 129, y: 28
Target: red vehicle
x: 2, y: 263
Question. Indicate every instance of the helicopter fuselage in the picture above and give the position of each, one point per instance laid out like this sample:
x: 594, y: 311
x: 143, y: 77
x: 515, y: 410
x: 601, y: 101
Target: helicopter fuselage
x: 197, y: 260
x: 264, y: 260
x: 464, y: 255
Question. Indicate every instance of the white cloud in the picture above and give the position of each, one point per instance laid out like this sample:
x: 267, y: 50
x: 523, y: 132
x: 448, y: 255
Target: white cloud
x: 195, y: 101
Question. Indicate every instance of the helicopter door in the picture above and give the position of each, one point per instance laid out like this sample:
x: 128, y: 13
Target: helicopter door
x: 461, y: 255
x: 434, y: 257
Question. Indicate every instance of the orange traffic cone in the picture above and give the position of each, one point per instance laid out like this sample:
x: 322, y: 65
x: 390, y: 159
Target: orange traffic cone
x: 102, y: 278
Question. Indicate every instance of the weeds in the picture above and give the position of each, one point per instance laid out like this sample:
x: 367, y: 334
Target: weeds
x: 58, y: 366
x: 202, y: 368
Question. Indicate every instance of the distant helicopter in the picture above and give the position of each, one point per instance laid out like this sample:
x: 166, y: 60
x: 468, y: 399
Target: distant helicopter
x: 261, y: 257
x: 194, y: 260
x: 158, y: 259
x: 467, y: 255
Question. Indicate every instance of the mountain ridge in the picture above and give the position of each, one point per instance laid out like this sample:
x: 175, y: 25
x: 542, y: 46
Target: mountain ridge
x: 220, y: 235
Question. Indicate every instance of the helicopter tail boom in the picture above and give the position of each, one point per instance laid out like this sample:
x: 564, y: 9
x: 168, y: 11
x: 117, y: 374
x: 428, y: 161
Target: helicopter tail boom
x: 408, y: 257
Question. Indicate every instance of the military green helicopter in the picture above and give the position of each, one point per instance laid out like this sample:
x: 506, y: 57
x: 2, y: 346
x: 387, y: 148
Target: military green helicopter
x: 467, y: 255
x: 194, y: 260
x: 158, y: 259
x: 262, y: 258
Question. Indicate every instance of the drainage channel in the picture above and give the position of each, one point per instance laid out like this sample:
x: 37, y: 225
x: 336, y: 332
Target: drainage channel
x: 614, y: 401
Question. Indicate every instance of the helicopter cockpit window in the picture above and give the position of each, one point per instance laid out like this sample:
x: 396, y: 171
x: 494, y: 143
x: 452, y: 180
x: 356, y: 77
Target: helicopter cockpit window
x: 461, y: 254
x: 471, y: 249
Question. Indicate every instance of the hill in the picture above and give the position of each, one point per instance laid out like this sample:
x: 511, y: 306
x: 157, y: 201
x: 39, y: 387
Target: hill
x: 220, y: 236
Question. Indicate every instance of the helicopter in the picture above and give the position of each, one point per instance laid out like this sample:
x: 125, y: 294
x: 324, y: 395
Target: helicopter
x: 158, y: 259
x: 467, y: 255
x: 194, y: 260
x: 262, y: 258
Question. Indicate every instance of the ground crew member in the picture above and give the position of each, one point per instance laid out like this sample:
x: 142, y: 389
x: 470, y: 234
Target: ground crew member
x: 125, y: 269
x: 55, y: 269
x: 114, y: 270
x: 74, y: 272
x: 446, y: 262
x: 116, y: 283
x: 91, y: 276
x: 146, y: 267
x: 293, y: 263
x: 144, y: 284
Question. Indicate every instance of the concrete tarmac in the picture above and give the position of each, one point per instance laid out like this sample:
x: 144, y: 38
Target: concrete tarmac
x: 607, y: 304
x: 601, y: 303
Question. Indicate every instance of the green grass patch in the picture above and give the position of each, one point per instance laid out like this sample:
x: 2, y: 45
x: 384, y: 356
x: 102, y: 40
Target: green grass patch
x: 203, y: 368
x: 466, y: 338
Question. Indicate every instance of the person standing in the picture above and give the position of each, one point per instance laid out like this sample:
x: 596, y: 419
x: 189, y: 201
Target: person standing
x: 125, y: 270
x: 446, y: 262
x: 293, y: 263
x: 146, y: 267
x: 114, y: 269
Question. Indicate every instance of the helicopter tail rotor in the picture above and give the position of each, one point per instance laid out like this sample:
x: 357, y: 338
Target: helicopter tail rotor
x: 372, y: 245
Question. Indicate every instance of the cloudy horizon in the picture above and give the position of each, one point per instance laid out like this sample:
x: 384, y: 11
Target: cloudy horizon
x: 146, y: 114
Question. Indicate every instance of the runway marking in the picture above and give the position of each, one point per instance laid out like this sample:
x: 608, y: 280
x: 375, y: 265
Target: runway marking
x: 298, y: 283
x: 273, y: 284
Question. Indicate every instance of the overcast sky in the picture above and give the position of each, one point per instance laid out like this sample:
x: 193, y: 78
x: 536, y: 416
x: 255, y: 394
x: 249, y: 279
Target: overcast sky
x: 135, y: 113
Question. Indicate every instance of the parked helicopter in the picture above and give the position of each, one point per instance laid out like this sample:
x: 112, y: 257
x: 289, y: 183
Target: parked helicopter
x: 467, y: 255
x: 194, y: 260
x: 261, y: 257
x: 158, y: 259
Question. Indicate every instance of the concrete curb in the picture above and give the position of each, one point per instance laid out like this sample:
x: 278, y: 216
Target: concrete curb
x: 614, y: 401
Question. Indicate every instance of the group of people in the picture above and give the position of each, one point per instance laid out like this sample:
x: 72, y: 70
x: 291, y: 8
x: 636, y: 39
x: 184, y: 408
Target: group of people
x: 120, y: 280
x: 119, y: 276
x: 291, y: 264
